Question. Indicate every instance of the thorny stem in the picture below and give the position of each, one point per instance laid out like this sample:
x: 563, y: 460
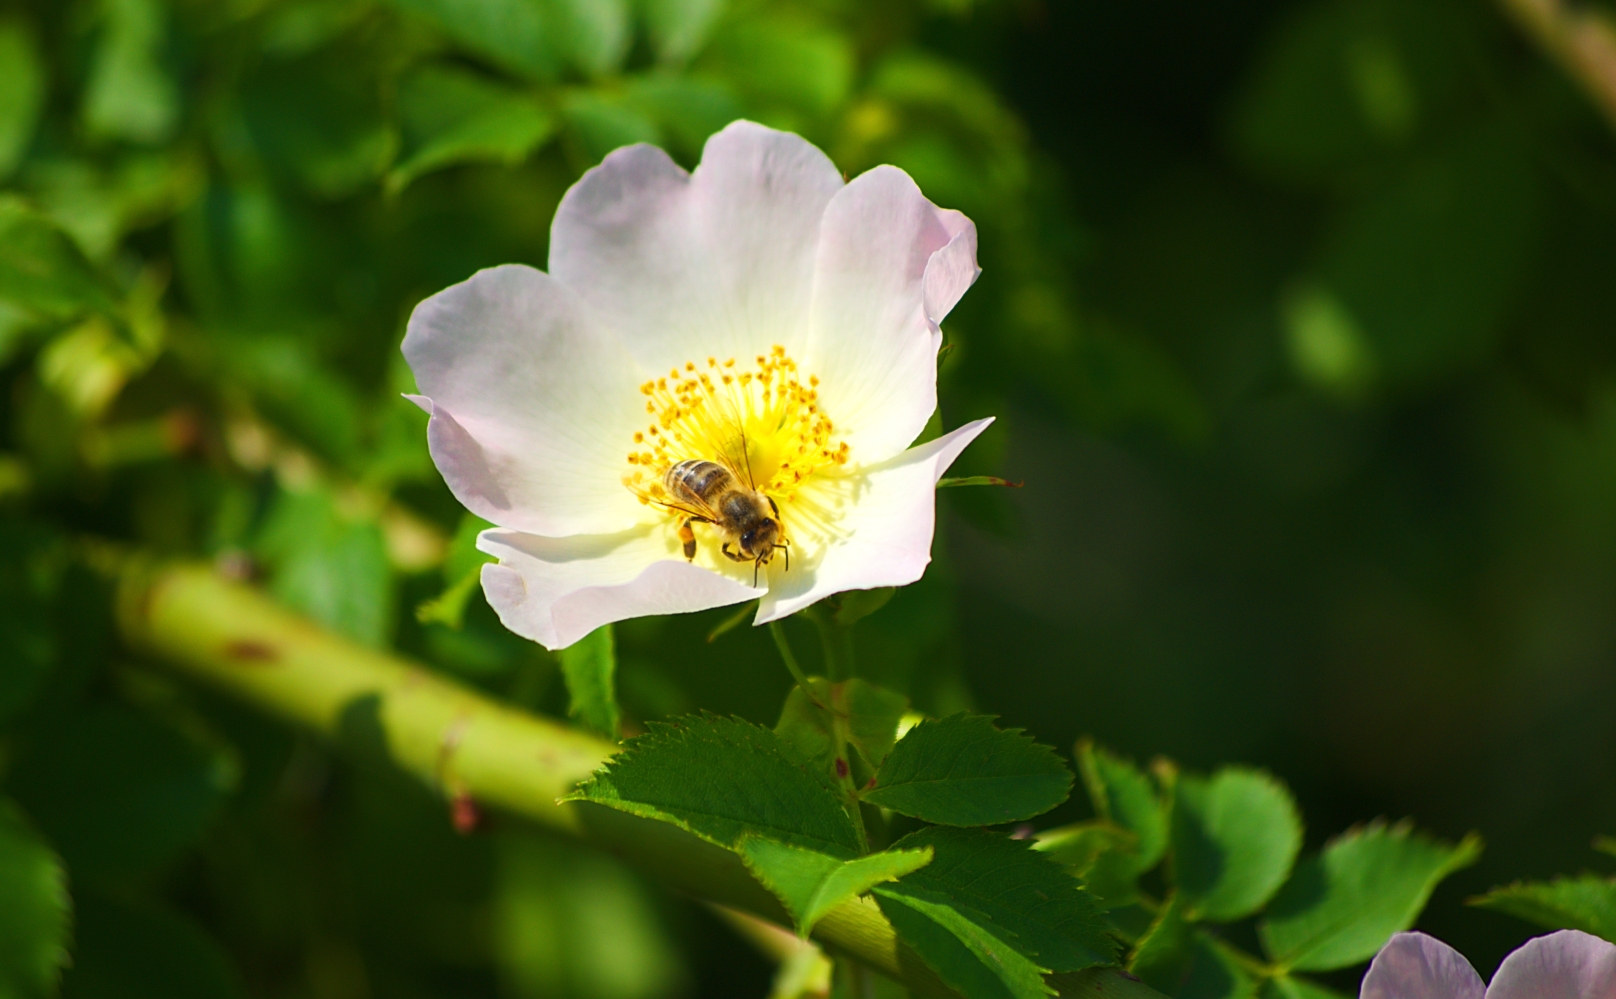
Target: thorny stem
x: 837, y: 641
x: 460, y: 742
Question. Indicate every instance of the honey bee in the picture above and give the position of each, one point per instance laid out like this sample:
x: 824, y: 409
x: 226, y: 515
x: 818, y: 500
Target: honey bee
x: 709, y: 492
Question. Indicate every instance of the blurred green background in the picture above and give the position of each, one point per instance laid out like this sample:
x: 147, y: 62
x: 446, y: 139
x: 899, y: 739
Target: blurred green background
x: 1299, y: 318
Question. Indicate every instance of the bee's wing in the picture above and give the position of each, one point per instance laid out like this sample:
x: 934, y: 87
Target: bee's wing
x: 736, y: 458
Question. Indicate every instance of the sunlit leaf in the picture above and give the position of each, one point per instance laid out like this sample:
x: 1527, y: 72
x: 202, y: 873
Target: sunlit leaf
x: 1014, y: 891
x: 35, y: 911
x: 962, y: 771
x: 678, y: 27
x: 1340, y: 906
x: 798, y: 67
x: 22, y: 93
x: 811, y: 884
x: 724, y: 778
x: 967, y: 956
x: 1234, y: 838
x: 331, y: 567
x: 519, y: 35
x: 451, y: 116
x: 1586, y: 902
x: 130, y: 93
x: 43, y: 274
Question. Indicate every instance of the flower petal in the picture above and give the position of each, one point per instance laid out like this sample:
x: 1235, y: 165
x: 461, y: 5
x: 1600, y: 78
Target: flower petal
x: 687, y: 266
x: 885, y: 539
x: 533, y: 406
x: 557, y: 590
x: 890, y: 266
x: 1569, y: 964
x: 1416, y: 966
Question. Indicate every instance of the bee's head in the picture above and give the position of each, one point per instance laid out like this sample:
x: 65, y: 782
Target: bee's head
x: 758, y: 540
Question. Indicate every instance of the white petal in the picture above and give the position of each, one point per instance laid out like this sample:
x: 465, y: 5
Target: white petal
x: 1416, y: 966
x: 890, y: 267
x: 534, y: 407
x: 1569, y: 964
x: 687, y: 266
x: 885, y: 534
x: 557, y: 590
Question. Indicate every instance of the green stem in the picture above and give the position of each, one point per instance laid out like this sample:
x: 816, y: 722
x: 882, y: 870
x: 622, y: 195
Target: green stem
x: 780, y: 642
x: 234, y: 638
x: 838, y: 727
x: 837, y: 641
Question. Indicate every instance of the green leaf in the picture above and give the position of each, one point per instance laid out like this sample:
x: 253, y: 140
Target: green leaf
x: 723, y: 778
x: 962, y: 771
x: 597, y: 33
x: 1127, y: 799
x: 35, y: 911
x: 1339, y: 907
x: 22, y: 93
x: 126, y: 951
x: 119, y: 794
x: 42, y: 273
x: 1234, y: 839
x: 1016, y: 891
x: 519, y: 35
x: 796, y: 66
x: 1079, y: 845
x: 854, y: 606
x: 811, y: 883
x: 451, y: 115
x: 604, y: 123
x: 965, y: 955
x: 678, y: 27
x: 1123, y: 794
x: 978, y: 480
x: 1586, y: 902
x: 32, y: 560
x: 130, y: 94
x: 868, y: 714
x: 462, y: 575
x: 589, y: 666
x: 1175, y: 958
x: 330, y: 567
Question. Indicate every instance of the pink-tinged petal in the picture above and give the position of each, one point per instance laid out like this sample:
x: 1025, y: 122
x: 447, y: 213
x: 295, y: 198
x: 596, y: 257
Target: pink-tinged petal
x: 1416, y: 966
x: 890, y: 267
x: 883, y: 536
x: 1569, y: 964
x: 718, y: 263
x: 533, y: 405
x: 557, y: 590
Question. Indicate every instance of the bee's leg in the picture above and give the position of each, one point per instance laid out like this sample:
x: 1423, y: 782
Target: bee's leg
x: 688, y: 537
x: 733, y: 557
x: 785, y: 546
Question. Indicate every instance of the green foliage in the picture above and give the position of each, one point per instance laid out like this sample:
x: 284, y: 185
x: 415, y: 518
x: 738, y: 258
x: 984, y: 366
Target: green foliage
x: 962, y: 771
x: 130, y: 94
x: 22, y: 92
x: 1234, y: 838
x: 451, y: 116
x: 35, y: 911
x: 724, y: 778
x: 1586, y: 902
x: 811, y: 884
x: 144, y: 952
x: 1339, y: 907
x: 1181, y: 960
x: 966, y: 955
x: 1128, y: 800
x: 589, y: 667
x: 330, y: 566
x: 1013, y: 890
x: 120, y: 795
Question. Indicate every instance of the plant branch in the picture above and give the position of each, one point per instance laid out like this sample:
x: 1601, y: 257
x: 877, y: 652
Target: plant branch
x: 1579, y: 37
x: 232, y: 637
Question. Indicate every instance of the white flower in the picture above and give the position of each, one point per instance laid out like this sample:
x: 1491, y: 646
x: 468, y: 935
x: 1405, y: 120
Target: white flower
x: 1568, y: 964
x: 758, y: 312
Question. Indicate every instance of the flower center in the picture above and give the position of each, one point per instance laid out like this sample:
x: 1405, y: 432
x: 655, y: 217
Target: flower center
x: 762, y: 423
